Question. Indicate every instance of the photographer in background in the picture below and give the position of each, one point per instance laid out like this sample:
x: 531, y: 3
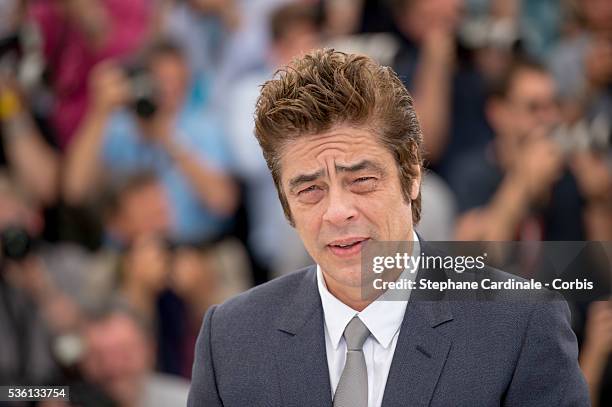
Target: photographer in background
x: 527, y: 184
x: 26, y: 152
x: 446, y: 76
x: 144, y: 122
x: 427, y: 63
x: 582, y: 66
x: 34, y: 311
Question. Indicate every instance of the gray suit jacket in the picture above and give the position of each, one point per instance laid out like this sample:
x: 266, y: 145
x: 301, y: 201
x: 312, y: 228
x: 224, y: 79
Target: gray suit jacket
x: 266, y: 347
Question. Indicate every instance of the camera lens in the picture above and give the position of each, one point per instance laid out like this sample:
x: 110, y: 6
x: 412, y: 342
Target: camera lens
x: 16, y: 243
x: 143, y: 92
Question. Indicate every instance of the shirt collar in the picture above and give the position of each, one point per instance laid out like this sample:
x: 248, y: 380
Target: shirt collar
x: 382, y: 318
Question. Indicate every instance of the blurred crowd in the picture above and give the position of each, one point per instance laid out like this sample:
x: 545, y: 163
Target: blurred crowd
x: 133, y: 193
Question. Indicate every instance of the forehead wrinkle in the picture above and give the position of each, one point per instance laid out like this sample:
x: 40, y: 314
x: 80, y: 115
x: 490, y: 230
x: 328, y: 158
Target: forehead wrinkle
x: 350, y: 147
x: 340, y: 138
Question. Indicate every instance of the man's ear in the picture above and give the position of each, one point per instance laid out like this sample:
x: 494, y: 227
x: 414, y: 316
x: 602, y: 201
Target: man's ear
x: 415, y: 186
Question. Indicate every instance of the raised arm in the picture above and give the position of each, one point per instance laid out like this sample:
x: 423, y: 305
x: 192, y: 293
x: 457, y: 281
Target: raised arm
x: 34, y: 163
x: 109, y: 90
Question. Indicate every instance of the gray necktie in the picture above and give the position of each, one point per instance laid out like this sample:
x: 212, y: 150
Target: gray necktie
x: 352, y: 390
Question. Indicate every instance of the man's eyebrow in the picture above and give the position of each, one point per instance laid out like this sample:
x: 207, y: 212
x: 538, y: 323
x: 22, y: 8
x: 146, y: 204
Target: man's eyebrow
x: 303, y: 178
x: 362, y: 165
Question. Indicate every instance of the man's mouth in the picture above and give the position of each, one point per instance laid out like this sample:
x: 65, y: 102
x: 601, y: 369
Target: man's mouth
x: 347, y: 247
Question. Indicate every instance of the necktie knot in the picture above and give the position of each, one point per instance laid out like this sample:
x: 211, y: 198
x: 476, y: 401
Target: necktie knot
x: 355, y: 334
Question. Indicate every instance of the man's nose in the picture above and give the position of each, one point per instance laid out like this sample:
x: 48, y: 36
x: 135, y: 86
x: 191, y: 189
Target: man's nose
x: 340, y: 207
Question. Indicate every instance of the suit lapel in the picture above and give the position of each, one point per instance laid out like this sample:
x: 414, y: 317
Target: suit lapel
x: 301, y: 356
x: 421, y: 352
x: 418, y: 360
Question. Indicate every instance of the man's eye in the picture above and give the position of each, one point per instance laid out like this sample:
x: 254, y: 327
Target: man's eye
x: 309, y: 189
x: 363, y: 184
x: 310, y: 195
x: 364, y: 179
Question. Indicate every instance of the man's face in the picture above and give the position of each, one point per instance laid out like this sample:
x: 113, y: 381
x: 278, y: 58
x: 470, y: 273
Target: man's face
x: 343, y: 189
x: 172, y: 78
x: 144, y: 211
x: 301, y: 38
x: 530, y: 105
x: 118, y: 357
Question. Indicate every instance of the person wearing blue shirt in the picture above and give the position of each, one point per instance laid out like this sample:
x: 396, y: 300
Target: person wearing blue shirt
x: 126, y: 149
x: 180, y: 142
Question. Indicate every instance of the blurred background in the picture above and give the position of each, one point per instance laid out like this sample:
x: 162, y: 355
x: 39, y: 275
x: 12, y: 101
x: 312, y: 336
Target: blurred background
x: 133, y: 194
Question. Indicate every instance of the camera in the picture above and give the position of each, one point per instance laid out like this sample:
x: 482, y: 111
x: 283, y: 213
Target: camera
x: 21, y: 56
x: 479, y: 33
x: 16, y: 243
x: 143, y: 90
x: 10, y: 52
x: 594, y: 135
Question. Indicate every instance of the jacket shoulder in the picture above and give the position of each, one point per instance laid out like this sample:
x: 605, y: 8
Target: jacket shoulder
x: 260, y: 305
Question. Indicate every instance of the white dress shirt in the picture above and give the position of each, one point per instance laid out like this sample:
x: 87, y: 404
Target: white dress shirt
x: 383, y: 319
